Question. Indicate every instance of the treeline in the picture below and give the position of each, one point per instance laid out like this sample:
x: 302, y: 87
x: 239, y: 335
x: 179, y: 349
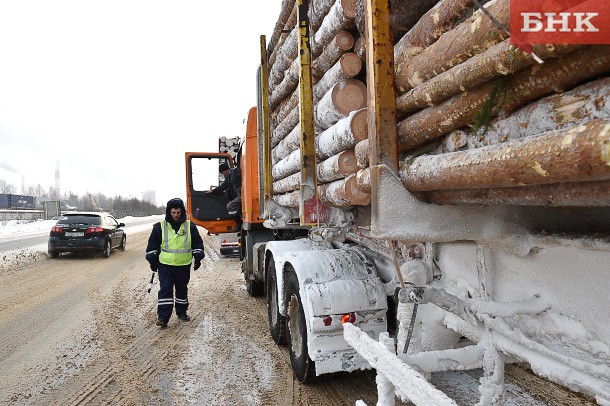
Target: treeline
x: 119, y: 207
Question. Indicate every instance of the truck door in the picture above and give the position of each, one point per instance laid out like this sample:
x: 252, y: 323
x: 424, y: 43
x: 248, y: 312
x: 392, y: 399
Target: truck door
x: 205, y: 209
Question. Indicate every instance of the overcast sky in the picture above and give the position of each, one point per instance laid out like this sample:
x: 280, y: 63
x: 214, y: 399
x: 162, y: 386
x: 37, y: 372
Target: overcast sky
x: 117, y: 91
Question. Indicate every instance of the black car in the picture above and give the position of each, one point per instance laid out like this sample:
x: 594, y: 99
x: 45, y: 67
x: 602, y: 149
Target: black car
x: 229, y: 249
x: 85, y: 231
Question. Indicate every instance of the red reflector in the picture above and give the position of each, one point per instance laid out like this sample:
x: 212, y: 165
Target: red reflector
x: 348, y: 318
x: 328, y: 321
x: 95, y: 230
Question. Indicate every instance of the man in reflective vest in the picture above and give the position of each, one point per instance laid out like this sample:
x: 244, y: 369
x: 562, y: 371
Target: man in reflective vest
x: 172, y: 246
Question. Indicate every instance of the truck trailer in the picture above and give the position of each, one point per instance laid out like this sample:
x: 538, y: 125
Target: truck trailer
x: 411, y: 182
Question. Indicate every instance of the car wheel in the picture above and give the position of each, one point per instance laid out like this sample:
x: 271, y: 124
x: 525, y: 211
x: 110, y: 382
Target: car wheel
x: 54, y: 254
x: 302, y: 366
x: 123, y: 243
x: 277, y: 322
x: 107, y: 249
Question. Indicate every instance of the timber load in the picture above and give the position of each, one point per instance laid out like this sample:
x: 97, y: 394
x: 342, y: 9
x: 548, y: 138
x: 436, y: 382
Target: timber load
x: 478, y: 120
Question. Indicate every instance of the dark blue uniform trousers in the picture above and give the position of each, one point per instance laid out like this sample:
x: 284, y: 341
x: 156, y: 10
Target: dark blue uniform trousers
x: 169, y: 277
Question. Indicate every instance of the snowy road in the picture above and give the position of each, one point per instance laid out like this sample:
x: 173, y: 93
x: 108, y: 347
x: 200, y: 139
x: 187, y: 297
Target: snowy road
x: 80, y: 330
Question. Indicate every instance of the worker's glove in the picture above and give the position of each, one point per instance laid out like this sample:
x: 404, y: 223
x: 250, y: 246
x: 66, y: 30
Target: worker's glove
x: 197, y: 264
x: 153, y: 259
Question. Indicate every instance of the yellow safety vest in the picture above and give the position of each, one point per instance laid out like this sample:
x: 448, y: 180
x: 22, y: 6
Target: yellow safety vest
x: 176, y: 247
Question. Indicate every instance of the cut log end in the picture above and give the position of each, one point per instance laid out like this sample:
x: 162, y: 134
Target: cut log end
x: 349, y: 95
x: 347, y: 163
x: 344, y: 40
x: 349, y: 8
x: 351, y: 64
x: 359, y: 125
x: 355, y: 195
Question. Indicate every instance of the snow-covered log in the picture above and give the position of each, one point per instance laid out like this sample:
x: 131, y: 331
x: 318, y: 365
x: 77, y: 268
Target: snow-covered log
x: 287, y: 166
x: 471, y: 37
x: 343, y: 42
x: 319, y: 9
x: 288, y: 184
x: 284, y: 108
x: 288, y: 85
x: 343, y: 192
x: 339, y: 18
x: 287, y: 53
x: 500, y: 60
x: 584, y: 194
x: 438, y: 20
x: 287, y: 18
x: 280, y: 102
x: 337, y: 166
x: 579, y: 154
x: 360, y: 48
x: 363, y: 153
x: 343, y: 98
x: 285, y: 127
x: 556, y: 112
x: 348, y: 66
x: 344, y: 135
x: 363, y: 180
x: 340, y: 193
x: 523, y: 87
x: 287, y: 145
x: 288, y: 199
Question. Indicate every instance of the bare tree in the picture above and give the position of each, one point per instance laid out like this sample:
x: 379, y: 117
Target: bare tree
x: 7, y: 188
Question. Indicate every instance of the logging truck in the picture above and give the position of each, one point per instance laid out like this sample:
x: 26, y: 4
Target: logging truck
x: 412, y: 181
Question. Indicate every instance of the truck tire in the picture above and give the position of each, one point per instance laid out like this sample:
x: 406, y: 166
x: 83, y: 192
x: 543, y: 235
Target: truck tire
x: 277, y: 322
x: 302, y: 366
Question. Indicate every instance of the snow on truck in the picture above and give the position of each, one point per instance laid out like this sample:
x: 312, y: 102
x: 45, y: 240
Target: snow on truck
x: 411, y: 180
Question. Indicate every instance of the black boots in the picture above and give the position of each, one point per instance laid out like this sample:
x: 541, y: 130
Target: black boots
x: 184, y: 317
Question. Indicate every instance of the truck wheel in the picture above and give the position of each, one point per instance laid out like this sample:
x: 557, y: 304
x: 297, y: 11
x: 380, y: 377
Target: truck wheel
x: 107, y: 249
x: 302, y: 366
x: 277, y: 322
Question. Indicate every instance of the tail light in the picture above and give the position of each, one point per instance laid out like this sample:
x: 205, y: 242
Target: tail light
x: 94, y: 230
x: 348, y: 318
x: 56, y: 229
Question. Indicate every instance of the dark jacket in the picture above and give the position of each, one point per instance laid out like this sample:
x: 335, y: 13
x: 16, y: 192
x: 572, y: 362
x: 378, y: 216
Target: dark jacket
x: 153, y: 249
x: 232, y: 183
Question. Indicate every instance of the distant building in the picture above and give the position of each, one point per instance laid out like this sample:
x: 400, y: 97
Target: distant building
x: 150, y: 196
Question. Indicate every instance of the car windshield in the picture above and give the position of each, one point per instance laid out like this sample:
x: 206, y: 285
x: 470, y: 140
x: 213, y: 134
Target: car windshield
x: 92, y: 219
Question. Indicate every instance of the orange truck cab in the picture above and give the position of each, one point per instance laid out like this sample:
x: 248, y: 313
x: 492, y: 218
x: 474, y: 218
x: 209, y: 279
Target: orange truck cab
x: 209, y: 210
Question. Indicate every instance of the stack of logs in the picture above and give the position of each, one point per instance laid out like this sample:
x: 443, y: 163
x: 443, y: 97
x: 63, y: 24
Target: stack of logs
x: 339, y: 105
x: 229, y: 146
x: 478, y: 121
